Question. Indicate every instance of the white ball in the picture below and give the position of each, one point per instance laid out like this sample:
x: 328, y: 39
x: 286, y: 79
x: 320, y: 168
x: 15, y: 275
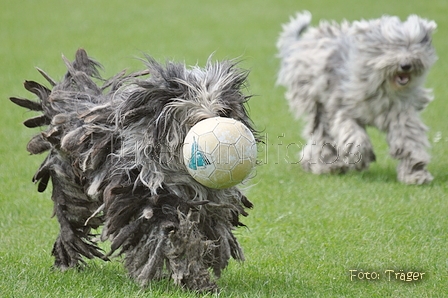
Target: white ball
x: 219, y: 152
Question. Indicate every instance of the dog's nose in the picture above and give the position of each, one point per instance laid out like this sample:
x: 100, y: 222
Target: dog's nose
x: 406, y: 67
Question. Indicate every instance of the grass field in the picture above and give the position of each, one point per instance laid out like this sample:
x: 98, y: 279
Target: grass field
x: 305, y: 232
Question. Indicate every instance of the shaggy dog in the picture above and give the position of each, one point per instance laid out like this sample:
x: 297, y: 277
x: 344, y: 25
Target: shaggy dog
x: 347, y: 76
x: 115, y: 161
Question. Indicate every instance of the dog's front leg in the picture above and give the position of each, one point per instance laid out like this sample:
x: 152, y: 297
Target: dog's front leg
x: 354, y: 144
x: 408, y: 143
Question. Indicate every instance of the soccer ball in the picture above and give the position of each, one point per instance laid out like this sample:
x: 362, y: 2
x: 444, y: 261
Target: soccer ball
x: 219, y: 152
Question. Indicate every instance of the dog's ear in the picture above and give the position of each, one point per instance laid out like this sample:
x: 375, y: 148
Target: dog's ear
x: 430, y: 26
x: 427, y: 25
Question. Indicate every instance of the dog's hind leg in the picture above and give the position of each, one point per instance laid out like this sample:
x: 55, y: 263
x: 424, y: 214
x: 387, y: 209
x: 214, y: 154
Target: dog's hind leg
x: 72, y: 209
x: 408, y: 142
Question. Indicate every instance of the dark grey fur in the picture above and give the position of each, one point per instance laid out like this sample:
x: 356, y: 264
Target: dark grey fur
x: 115, y: 161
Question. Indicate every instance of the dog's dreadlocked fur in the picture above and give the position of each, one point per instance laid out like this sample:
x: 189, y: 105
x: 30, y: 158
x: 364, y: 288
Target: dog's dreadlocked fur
x: 347, y: 76
x: 114, y: 161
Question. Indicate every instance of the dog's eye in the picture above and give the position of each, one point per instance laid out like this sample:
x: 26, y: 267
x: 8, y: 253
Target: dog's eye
x: 225, y: 113
x: 425, y: 39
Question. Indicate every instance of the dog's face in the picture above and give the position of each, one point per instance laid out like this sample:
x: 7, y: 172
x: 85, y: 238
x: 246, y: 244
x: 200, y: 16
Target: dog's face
x: 201, y: 93
x: 162, y: 109
x: 198, y: 94
x: 401, y: 52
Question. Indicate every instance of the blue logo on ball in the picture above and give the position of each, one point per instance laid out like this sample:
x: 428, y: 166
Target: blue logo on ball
x: 198, y: 158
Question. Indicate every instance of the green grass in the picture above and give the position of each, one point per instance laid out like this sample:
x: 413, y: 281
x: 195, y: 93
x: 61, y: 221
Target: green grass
x: 305, y: 232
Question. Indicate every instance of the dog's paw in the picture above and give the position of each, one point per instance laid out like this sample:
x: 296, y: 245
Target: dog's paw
x: 358, y: 157
x: 415, y: 174
x: 323, y: 159
x: 418, y: 177
x: 319, y: 167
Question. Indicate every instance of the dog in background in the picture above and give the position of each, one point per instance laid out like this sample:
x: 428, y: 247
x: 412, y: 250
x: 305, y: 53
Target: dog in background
x: 345, y: 77
x: 115, y: 161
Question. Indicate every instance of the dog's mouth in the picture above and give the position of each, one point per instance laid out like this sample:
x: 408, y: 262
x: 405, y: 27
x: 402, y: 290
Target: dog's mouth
x: 402, y: 79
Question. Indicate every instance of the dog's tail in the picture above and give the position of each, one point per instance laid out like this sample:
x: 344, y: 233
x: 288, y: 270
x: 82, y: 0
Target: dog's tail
x: 292, y: 30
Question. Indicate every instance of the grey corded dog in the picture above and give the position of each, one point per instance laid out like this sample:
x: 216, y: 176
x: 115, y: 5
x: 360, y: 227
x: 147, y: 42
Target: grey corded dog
x: 115, y: 161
